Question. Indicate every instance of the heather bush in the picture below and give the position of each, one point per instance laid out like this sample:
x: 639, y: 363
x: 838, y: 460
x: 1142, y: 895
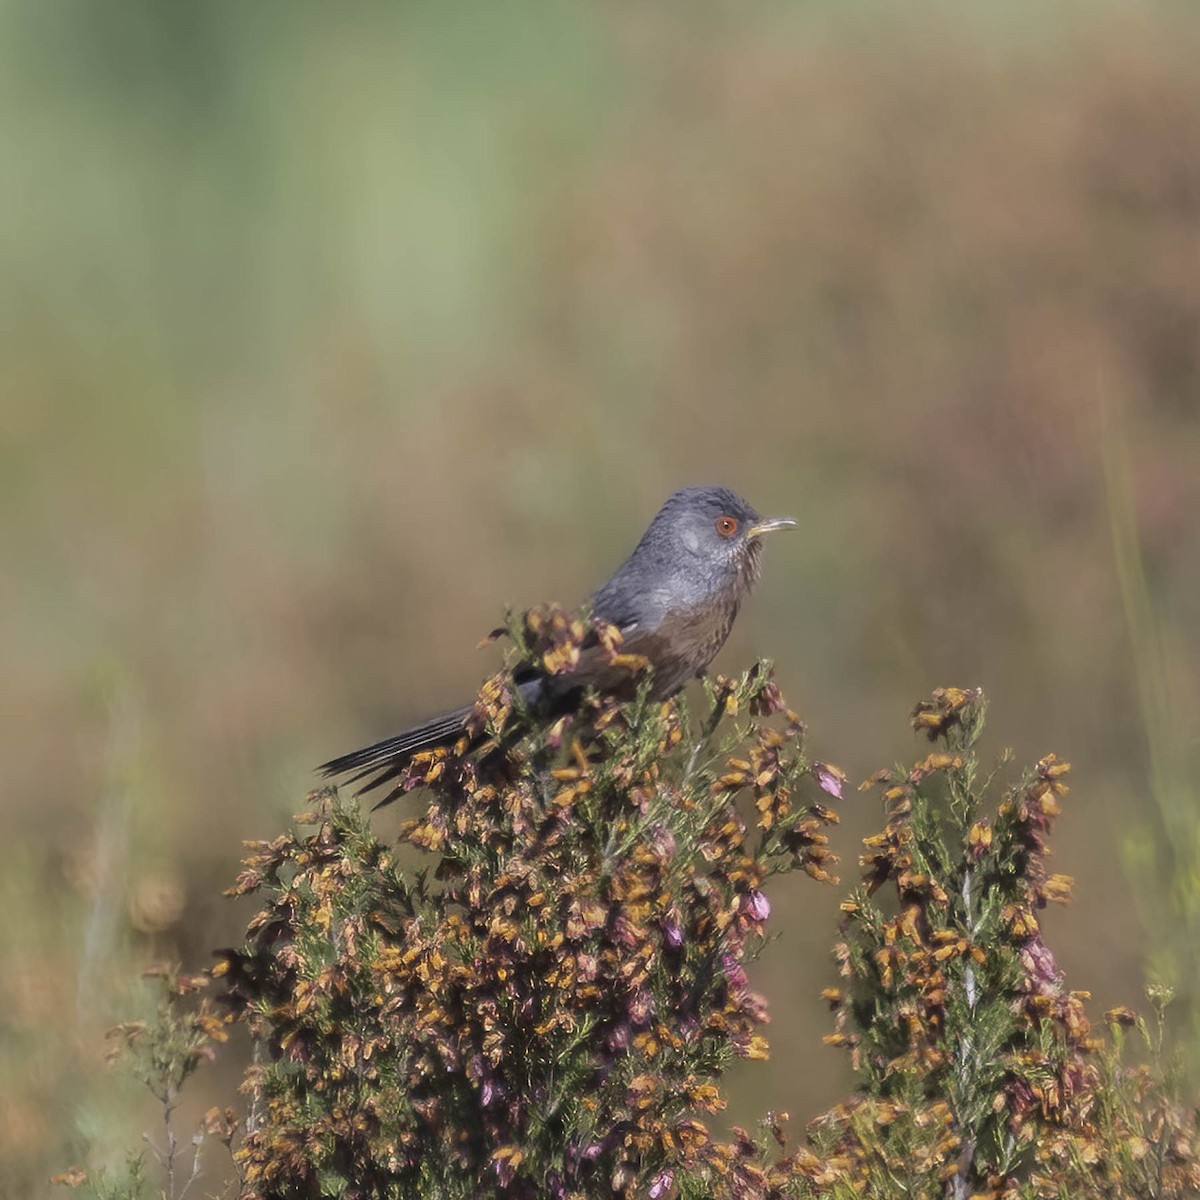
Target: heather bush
x: 979, y: 1073
x: 537, y: 990
x: 547, y: 1008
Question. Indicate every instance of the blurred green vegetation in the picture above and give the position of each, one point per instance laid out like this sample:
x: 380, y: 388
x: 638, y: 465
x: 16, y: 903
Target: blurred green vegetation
x: 325, y: 333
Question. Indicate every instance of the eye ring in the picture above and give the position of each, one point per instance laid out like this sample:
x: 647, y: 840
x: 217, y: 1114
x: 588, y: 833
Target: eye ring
x: 726, y: 526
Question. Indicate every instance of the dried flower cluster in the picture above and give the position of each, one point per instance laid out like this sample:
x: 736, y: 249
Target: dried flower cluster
x: 980, y: 1075
x: 547, y: 1011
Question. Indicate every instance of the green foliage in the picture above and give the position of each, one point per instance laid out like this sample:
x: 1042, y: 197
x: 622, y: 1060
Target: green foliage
x: 1163, y: 844
x: 547, y: 1009
x: 129, y: 1183
x: 162, y: 1053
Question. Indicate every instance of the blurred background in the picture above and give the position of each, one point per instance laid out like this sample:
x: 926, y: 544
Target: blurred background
x: 327, y: 332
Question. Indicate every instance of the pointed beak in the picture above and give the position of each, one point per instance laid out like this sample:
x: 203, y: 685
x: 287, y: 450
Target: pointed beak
x: 769, y: 525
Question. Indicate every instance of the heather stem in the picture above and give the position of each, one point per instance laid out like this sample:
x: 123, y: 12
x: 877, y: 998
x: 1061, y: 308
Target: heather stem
x: 967, y: 1054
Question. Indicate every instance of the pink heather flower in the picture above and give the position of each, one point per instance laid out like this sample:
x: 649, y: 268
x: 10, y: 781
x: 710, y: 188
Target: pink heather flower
x: 662, y: 840
x: 756, y: 906
x: 736, y: 975
x: 624, y: 933
x: 660, y: 1183
x: 1041, y: 970
x: 1021, y: 1100
x: 618, y: 1037
x: 554, y: 739
x: 640, y: 1006
x: 754, y: 1005
x: 829, y: 778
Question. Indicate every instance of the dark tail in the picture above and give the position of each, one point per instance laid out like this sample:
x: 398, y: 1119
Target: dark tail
x: 385, y: 760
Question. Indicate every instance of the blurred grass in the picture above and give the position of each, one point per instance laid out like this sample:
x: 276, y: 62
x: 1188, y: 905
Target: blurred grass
x: 1162, y: 851
x: 326, y: 333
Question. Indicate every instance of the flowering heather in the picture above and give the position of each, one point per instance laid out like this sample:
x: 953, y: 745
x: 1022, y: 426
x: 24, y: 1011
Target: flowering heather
x: 979, y: 1073
x: 547, y: 1008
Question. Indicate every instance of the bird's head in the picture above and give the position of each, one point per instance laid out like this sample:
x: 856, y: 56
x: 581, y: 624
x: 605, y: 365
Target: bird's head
x: 715, y: 531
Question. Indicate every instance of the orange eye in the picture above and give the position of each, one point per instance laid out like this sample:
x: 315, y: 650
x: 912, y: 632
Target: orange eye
x: 727, y: 526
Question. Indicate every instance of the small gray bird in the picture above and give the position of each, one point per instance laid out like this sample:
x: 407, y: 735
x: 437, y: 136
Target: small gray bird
x: 674, y: 599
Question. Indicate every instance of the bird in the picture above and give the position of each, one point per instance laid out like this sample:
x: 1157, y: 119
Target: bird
x: 674, y: 601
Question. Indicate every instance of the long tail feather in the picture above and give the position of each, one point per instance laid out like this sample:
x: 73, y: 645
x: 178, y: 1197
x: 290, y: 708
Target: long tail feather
x: 385, y: 759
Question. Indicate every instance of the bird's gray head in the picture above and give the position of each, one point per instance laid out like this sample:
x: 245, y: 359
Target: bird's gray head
x: 709, y: 533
